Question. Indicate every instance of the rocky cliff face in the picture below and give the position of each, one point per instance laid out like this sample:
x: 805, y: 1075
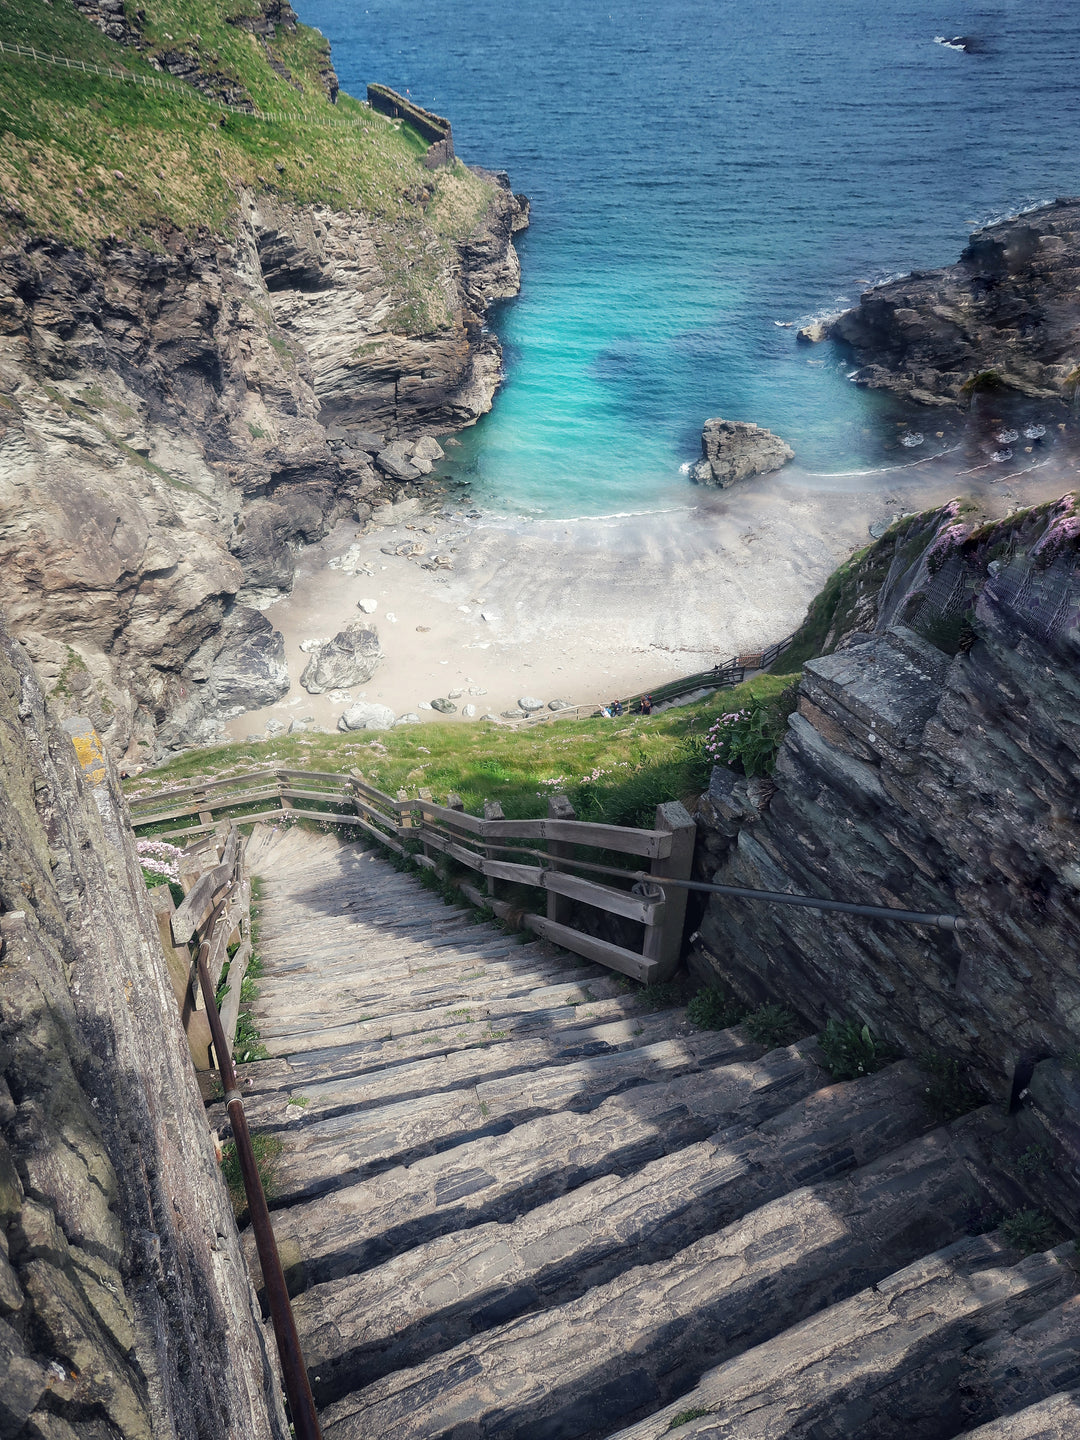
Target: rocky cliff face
x: 932, y: 765
x: 125, y: 1306
x: 175, y: 420
x: 1006, y: 315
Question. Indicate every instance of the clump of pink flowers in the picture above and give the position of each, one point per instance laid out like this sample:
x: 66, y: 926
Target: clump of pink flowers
x: 160, y: 858
x: 720, y: 734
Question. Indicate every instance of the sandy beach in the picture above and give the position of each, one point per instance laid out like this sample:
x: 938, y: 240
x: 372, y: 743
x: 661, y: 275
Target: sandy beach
x: 587, y: 609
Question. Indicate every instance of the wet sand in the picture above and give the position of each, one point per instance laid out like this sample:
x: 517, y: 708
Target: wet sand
x: 587, y: 609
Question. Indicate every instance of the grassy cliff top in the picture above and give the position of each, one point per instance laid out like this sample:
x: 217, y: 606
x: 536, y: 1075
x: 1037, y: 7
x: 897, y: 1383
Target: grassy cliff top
x: 615, y: 770
x: 85, y: 157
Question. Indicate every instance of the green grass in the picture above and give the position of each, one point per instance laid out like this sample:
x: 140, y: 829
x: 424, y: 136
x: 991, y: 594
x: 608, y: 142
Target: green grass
x: 147, y: 161
x: 267, y: 1150
x: 685, y: 1416
x: 616, y: 771
x: 714, y: 1008
x: 1029, y: 1231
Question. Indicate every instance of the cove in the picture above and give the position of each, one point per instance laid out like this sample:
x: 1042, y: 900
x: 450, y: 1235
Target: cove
x: 700, y: 171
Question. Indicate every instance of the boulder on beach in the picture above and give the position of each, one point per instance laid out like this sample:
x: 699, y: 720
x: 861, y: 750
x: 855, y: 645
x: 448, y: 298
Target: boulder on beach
x: 365, y: 715
x: 560, y: 705
x: 368, y: 607
x: 348, y: 659
x: 394, y: 462
x: 734, y: 450
x: 529, y: 703
x: 444, y: 707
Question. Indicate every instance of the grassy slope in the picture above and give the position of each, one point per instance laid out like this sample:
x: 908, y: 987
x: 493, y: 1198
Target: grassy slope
x: 637, y: 761
x: 65, y: 131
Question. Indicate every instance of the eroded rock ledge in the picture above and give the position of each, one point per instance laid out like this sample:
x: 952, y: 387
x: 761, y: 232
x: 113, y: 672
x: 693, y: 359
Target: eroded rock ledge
x: 125, y: 1305
x: 174, y: 422
x: 1007, y: 315
x: 932, y: 766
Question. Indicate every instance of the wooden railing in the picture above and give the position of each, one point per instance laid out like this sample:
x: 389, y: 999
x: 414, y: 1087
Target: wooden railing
x: 571, y: 863
x: 725, y: 675
x: 215, y: 908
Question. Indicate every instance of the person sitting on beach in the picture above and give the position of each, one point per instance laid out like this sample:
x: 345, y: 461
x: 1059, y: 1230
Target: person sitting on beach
x: 646, y: 705
x: 616, y: 709
x: 605, y: 712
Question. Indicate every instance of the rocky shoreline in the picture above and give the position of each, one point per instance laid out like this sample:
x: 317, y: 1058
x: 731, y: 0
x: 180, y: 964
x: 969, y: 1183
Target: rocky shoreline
x: 176, y: 422
x: 1005, y: 317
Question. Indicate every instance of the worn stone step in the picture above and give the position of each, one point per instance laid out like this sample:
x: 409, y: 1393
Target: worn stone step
x: 500, y: 1176
x: 1017, y: 1368
x: 438, y: 1294
x: 548, y: 1026
x: 855, y: 1369
x: 323, y: 1153
x: 647, y: 1335
x: 496, y: 1013
x: 448, y: 1071
x: 1057, y: 1418
x: 306, y: 1005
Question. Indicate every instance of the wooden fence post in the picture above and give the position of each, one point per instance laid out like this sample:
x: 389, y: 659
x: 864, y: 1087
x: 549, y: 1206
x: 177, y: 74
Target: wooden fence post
x: 283, y: 800
x: 663, y: 940
x: 492, y: 811
x: 560, y: 907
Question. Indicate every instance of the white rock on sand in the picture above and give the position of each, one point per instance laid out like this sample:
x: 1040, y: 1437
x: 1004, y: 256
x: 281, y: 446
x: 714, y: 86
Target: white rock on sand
x: 366, y: 716
x: 367, y: 606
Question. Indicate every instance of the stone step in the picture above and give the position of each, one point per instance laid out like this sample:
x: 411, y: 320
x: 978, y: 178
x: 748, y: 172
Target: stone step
x: 308, y: 1004
x: 438, y: 1294
x: 1015, y: 1369
x: 1057, y: 1418
x: 856, y: 1368
x: 632, y: 1344
x: 494, y: 1014
x: 553, y: 1027
x: 324, y: 1153
x: 498, y: 1177
x: 363, y: 1089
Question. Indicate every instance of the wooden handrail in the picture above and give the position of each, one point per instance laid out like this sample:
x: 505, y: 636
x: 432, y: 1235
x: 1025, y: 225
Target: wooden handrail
x: 473, y: 842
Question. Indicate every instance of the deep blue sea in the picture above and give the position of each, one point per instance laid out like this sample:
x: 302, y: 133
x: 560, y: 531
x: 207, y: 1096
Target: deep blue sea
x: 699, y: 170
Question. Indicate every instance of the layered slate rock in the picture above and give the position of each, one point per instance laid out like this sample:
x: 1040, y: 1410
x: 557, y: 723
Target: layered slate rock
x: 936, y: 777
x: 1006, y: 315
x: 180, y: 420
x: 125, y: 1306
x: 734, y: 450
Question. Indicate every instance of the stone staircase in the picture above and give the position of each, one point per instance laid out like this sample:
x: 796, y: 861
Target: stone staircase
x: 515, y: 1201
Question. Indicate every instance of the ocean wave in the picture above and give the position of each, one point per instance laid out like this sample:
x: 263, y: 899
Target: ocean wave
x: 878, y: 469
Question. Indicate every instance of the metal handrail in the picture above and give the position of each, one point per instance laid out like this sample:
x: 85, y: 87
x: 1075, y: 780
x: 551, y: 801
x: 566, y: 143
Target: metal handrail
x: 293, y: 1369
x: 815, y: 902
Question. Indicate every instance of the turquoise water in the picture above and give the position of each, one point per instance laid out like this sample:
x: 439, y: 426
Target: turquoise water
x: 699, y: 171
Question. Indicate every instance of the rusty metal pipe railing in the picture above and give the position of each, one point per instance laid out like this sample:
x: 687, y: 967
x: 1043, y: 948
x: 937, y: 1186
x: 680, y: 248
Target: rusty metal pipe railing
x: 293, y: 1370
x: 814, y: 902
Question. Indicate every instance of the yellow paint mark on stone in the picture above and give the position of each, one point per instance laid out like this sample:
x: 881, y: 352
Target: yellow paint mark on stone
x: 91, y: 755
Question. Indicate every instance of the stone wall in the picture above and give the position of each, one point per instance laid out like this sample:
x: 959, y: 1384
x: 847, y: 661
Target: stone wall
x: 125, y: 1307
x: 435, y: 129
x: 926, y: 780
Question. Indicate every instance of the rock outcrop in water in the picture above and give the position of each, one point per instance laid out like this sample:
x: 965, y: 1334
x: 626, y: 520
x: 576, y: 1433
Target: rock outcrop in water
x: 932, y: 766
x: 734, y: 450
x: 1007, y: 315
